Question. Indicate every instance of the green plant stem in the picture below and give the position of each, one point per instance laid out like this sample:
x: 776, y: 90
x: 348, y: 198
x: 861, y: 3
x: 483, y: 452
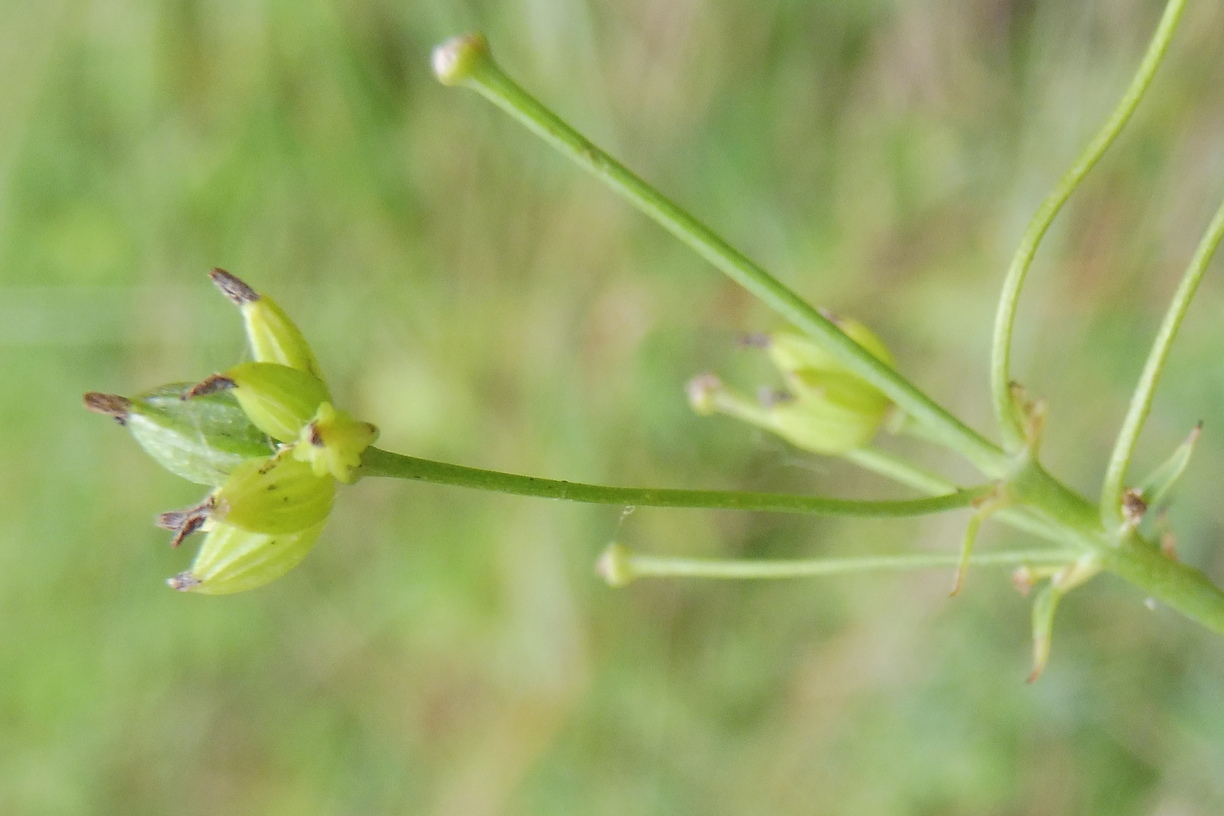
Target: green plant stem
x: 906, y: 473
x: 480, y: 72
x: 466, y: 61
x: 376, y: 462
x: 1010, y: 424
x: 1177, y: 585
x: 899, y: 470
x: 1141, y: 401
x: 651, y: 566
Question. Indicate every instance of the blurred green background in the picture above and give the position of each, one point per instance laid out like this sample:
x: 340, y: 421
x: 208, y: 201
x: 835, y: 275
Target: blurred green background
x: 449, y: 652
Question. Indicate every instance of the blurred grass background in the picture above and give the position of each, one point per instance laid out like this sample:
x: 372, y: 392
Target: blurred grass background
x: 446, y: 652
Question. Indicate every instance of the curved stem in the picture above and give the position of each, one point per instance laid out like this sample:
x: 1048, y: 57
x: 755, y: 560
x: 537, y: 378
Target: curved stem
x: 466, y: 61
x: 622, y: 565
x: 1141, y: 401
x: 1000, y: 369
x: 376, y: 462
x: 899, y: 470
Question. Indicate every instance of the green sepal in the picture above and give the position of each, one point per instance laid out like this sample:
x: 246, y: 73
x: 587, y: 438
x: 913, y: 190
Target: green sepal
x: 274, y: 495
x: 1155, y: 488
x: 202, y: 440
x: 829, y: 412
x: 824, y: 412
x: 792, y: 351
x: 232, y: 559
x: 821, y: 427
x: 1045, y: 602
x: 278, y: 399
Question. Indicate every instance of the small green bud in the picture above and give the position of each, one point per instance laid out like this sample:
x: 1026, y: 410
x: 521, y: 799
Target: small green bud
x: 1156, y: 487
x: 792, y: 351
x: 703, y: 391
x: 274, y: 338
x: 615, y: 567
x: 825, y: 408
x: 202, y: 440
x: 232, y: 559
x: 459, y: 58
x: 333, y: 443
x: 831, y: 410
x: 277, y: 399
x: 828, y: 413
x: 274, y: 495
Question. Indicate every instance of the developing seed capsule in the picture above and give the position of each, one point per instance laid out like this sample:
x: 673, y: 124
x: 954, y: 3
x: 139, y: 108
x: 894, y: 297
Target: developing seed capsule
x: 825, y: 408
x: 202, y: 440
x: 274, y: 338
x: 831, y: 410
x: 277, y: 399
x: 828, y: 412
x: 273, y: 495
x: 232, y: 559
x: 791, y: 351
x: 333, y: 443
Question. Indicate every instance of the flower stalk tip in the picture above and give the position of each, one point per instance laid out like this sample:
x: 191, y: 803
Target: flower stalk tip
x: 703, y: 391
x: 458, y: 59
x: 615, y: 566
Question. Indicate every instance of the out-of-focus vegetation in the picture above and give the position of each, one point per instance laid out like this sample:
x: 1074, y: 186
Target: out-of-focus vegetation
x: 448, y: 652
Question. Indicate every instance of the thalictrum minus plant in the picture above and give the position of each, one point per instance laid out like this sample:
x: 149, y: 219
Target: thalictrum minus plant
x: 266, y: 437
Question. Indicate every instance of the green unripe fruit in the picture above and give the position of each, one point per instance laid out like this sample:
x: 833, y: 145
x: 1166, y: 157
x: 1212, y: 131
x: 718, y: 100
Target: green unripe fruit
x: 277, y: 495
x: 232, y: 559
x: 791, y: 351
x: 274, y: 338
x: 830, y: 412
x: 203, y: 440
x: 277, y: 399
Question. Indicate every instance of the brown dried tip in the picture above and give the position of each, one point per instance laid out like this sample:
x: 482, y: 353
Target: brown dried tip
x: 1168, y: 545
x: 1024, y: 580
x: 112, y: 405
x: 1133, y: 507
x: 233, y: 288
x: 773, y: 397
x: 210, y: 385
x: 183, y: 582
x: 755, y: 340
x: 702, y: 391
x: 185, y: 522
